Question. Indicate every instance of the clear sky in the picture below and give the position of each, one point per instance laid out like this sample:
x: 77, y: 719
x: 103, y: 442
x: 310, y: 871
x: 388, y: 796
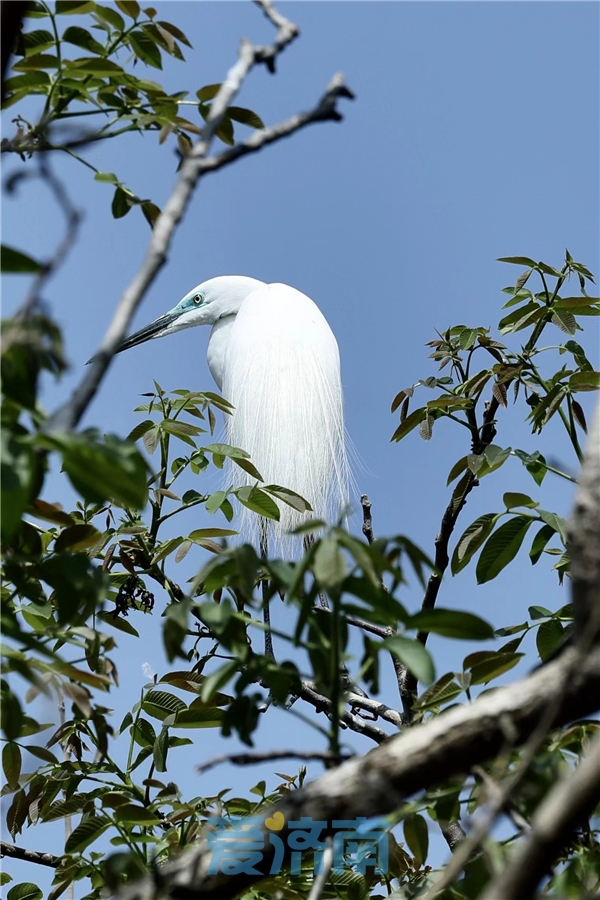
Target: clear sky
x: 474, y: 135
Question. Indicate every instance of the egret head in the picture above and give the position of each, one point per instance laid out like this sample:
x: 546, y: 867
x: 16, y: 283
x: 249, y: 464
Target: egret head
x: 204, y: 305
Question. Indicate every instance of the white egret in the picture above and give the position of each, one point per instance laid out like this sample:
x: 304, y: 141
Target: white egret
x: 273, y: 355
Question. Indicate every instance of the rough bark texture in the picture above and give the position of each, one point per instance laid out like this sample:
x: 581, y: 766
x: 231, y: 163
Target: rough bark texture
x: 380, y: 781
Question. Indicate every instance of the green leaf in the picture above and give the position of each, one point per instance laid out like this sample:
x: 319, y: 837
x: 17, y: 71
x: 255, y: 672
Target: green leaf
x: 291, y: 498
x: 256, y: 500
x: 140, y: 430
x: 37, y: 41
x: 248, y: 467
x: 29, y: 82
x: 42, y: 753
x: 471, y: 540
x: 73, y: 7
x: 199, y: 715
x: 129, y: 7
x: 63, y: 808
x: 82, y: 38
x: 444, y: 690
x: 120, y: 205
x: 502, y: 547
x: 512, y: 499
x: 545, y: 534
x: 145, y: 49
x: 93, y: 65
x: 410, y: 422
x: 486, y: 670
x: 208, y: 92
x: 16, y: 262
x: 578, y: 306
x: 151, y: 439
x: 200, y: 534
x: 77, y: 537
x: 245, y: 116
x: 111, y: 16
x: 534, y: 463
x: 556, y: 522
x: 539, y: 612
x: 39, y: 61
x: 118, y: 622
x: 456, y: 469
x: 218, y: 679
x: 452, y: 623
x: 160, y: 750
x: 550, y: 636
x: 106, y: 177
x: 584, y: 381
x: 114, y: 470
x: 160, y: 704
x: 151, y: 212
x: 416, y: 835
x: 518, y: 260
x: 25, y: 890
x: 176, y: 32
x: 5, y: 878
x: 132, y: 814
x: 565, y: 321
x: 11, y: 764
x: 329, y: 563
x: 413, y: 655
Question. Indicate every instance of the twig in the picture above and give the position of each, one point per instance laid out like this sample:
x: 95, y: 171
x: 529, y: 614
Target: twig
x: 571, y: 802
x: 320, y: 880
x: 376, y: 708
x: 193, y: 167
x: 367, y: 526
x: 32, y: 856
x: 73, y: 219
x: 442, y: 541
x: 250, y: 759
x: 354, y: 723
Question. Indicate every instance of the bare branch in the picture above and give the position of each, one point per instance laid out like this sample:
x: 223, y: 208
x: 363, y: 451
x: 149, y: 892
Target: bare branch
x: 32, y: 856
x: 347, y: 719
x: 425, y: 755
x: 251, y: 759
x: 193, y: 167
x: 569, y: 804
x: 73, y: 219
x: 367, y: 526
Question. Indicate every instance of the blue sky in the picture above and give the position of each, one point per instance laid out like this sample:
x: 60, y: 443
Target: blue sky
x: 474, y: 135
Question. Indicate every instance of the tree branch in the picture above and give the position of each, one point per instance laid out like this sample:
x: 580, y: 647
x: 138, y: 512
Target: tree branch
x: 570, y: 803
x: 347, y: 719
x: 251, y: 759
x: 73, y: 220
x: 408, y: 689
x: 584, y: 539
x: 416, y: 760
x: 193, y: 167
x: 33, y: 856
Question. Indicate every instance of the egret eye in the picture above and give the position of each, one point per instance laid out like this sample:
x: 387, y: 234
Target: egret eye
x: 198, y: 299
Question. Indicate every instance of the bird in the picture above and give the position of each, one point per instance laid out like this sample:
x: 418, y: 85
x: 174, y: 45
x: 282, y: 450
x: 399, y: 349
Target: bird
x: 274, y: 357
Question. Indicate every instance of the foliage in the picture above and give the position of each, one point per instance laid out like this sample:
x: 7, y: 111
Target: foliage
x: 102, y: 82
x: 74, y: 581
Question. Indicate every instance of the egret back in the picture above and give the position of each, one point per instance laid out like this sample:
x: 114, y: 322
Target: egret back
x: 281, y: 372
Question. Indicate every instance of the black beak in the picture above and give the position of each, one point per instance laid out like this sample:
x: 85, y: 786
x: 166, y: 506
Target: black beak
x: 150, y: 331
